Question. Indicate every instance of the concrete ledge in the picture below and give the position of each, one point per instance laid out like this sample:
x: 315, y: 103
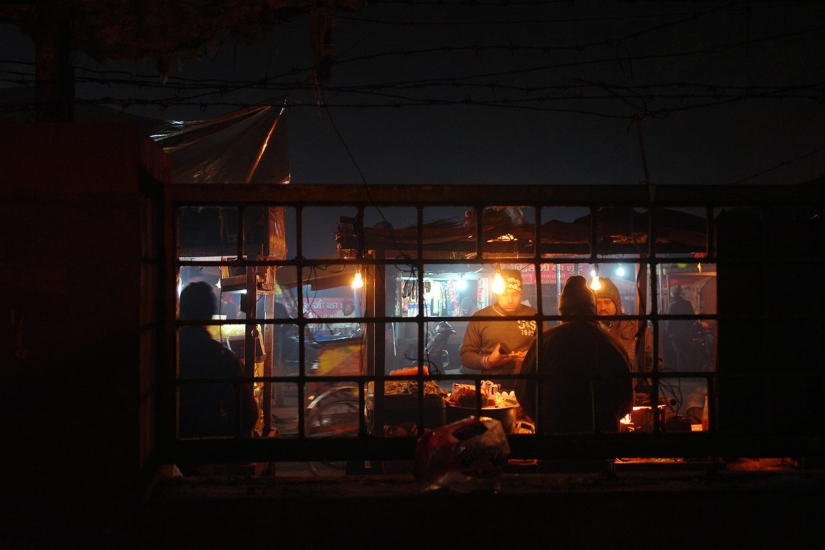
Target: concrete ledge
x: 742, y: 509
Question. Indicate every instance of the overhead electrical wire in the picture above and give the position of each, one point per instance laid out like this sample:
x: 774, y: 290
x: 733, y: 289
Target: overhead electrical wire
x: 195, y: 92
x: 491, y: 89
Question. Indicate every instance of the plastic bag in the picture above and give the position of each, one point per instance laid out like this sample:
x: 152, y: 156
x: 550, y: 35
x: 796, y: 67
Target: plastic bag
x: 465, y: 456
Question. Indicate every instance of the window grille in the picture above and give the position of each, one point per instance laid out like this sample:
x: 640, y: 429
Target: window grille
x: 281, y: 259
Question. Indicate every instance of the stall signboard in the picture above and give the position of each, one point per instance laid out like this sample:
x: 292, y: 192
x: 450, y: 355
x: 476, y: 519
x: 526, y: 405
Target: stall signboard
x: 548, y: 272
x: 323, y: 307
x: 327, y: 307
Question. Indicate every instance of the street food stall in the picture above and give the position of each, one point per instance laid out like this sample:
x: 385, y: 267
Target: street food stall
x: 423, y: 315
x: 412, y: 277
x: 455, y: 274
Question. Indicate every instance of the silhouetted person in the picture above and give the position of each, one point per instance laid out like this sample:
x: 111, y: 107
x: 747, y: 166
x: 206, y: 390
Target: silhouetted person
x: 680, y: 331
x: 467, y: 307
x: 210, y: 409
x: 587, y: 387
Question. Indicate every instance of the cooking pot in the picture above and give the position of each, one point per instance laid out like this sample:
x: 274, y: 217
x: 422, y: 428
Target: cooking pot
x: 506, y: 415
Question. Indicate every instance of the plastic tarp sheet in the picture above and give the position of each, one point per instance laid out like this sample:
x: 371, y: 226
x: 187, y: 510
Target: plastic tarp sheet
x: 249, y: 145
x: 245, y: 146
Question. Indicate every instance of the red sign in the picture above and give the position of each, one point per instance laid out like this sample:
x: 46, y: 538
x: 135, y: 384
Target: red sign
x: 548, y: 272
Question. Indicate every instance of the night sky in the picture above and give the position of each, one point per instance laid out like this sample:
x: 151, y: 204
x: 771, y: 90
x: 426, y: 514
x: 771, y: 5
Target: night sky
x: 525, y: 93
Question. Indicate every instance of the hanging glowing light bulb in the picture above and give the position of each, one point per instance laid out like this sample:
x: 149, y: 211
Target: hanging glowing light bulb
x: 460, y: 283
x: 595, y: 283
x: 620, y: 271
x: 498, y: 282
x: 357, y: 281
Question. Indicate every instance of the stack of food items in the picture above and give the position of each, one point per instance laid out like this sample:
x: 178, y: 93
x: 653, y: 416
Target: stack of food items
x: 408, y: 387
x: 464, y: 395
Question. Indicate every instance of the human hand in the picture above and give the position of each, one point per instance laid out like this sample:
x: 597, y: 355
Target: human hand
x: 501, y: 355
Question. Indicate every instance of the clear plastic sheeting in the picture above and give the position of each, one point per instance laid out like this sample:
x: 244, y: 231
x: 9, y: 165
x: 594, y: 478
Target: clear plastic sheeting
x: 249, y: 145
x: 244, y: 146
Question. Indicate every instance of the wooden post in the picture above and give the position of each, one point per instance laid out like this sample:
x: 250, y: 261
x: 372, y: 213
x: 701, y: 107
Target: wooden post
x: 54, y: 73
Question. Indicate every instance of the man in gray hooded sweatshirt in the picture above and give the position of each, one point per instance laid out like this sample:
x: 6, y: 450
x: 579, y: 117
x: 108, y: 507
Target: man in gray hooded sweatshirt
x: 609, y: 304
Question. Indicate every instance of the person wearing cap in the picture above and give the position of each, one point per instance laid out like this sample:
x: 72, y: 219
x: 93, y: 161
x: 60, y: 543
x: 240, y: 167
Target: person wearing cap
x: 609, y: 304
x: 585, y: 386
x: 498, y: 346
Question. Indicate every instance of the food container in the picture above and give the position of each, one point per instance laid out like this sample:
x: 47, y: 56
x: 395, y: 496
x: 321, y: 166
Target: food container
x: 506, y: 415
x: 400, y: 408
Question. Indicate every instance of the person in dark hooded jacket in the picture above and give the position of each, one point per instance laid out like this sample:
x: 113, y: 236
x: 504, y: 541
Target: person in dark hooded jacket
x: 222, y: 407
x: 680, y: 331
x: 587, y: 388
x: 608, y: 304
